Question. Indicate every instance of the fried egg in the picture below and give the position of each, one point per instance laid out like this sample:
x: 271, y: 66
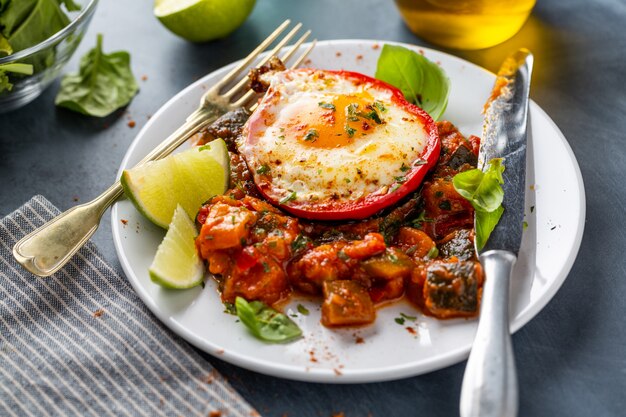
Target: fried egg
x: 336, y: 145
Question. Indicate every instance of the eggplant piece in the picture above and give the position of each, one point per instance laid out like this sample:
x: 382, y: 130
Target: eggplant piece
x: 462, y: 156
x: 453, y: 289
x: 459, y: 243
x: 346, y: 303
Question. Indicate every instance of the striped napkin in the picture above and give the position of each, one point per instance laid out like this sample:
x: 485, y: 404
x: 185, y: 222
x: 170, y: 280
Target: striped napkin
x: 81, y: 343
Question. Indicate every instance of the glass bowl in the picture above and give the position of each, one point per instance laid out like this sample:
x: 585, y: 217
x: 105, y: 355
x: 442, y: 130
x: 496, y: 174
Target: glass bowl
x: 47, y: 58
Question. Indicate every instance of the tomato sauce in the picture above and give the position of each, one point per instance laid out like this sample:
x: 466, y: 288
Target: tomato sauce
x: 421, y: 249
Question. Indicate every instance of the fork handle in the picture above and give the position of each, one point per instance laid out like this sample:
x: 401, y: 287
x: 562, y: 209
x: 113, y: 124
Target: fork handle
x: 45, y: 250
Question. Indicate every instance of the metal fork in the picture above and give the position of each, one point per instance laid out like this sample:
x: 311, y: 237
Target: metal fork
x: 48, y: 248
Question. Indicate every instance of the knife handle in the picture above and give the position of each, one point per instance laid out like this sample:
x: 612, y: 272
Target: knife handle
x: 490, y: 381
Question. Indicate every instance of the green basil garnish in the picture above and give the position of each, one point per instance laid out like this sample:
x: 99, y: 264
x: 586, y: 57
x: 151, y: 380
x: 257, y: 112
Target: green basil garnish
x: 266, y: 323
x: 103, y: 84
x: 421, y: 81
x: 484, y: 191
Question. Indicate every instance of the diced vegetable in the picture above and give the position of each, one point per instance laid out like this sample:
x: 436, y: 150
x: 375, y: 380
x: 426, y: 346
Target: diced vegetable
x: 452, y: 289
x: 346, y: 303
x: 415, y: 242
x: 391, y: 264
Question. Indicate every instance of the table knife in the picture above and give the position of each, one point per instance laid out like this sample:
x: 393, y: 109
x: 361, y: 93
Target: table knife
x: 490, y: 381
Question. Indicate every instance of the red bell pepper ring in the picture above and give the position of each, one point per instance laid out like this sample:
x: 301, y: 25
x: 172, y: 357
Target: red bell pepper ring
x: 373, y: 202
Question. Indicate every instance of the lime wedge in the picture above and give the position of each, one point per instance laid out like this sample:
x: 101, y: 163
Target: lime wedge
x: 176, y: 263
x: 188, y: 178
x: 202, y: 20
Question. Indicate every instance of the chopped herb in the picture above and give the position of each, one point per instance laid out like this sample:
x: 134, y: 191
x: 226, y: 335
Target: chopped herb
x: 288, y: 198
x: 379, y: 106
x: 342, y: 255
x: 394, y: 188
x: 311, y: 135
x: 404, y: 168
x: 399, y: 179
x: 350, y: 131
x: 399, y: 320
x: 303, y: 310
x: 347, y: 180
x: 230, y: 309
x: 300, y: 242
x: 410, y: 318
x: 411, y: 250
x: 294, y: 315
x: 266, y: 267
x: 233, y: 218
x: 206, y: 147
x: 393, y: 258
x: 433, y: 252
x: 373, y: 116
x: 525, y: 225
x: 263, y: 169
x: 445, y: 205
x: 419, y: 162
x: 319, y: 171
x: 281, y: 137
x: 351, y: 112
x: 324, y: 105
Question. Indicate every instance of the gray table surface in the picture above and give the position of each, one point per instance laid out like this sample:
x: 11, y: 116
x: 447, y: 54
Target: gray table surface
x: 572, y: 356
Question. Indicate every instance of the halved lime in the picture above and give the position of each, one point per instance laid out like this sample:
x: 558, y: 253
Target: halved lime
x: 188, y: 178
x: 202, y: 20
x: 176, y: 263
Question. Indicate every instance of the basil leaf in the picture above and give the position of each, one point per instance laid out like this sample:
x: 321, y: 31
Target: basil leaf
x: 266, y: 323
x: 485, y: 223
x: 422, y: 82
x: 104, y: 83
x: 484, y: 191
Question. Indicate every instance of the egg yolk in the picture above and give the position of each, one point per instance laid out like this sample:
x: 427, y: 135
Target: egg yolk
x: 337, y: 122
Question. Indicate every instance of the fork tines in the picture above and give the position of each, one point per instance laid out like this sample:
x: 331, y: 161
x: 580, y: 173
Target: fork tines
x: 248, y: 61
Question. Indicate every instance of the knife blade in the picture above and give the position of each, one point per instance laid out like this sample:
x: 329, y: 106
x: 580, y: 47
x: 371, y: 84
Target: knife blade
x: 490, y: 381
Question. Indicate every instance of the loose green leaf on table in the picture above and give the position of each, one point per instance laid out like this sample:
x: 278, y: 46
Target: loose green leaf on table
x: 422, y: 82
x: 104, y: 83
x: 484, y: 191
x: 266, y: 323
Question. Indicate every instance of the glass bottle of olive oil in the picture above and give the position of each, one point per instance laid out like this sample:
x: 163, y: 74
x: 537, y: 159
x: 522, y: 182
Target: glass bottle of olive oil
x: 465, y: 24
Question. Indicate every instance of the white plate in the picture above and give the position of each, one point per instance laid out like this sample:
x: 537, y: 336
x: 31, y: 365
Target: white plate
x: 384, y: 350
